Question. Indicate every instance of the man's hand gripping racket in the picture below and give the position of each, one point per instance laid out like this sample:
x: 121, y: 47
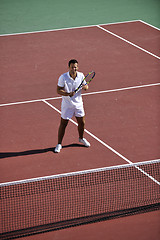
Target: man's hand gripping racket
x: 88, y: 78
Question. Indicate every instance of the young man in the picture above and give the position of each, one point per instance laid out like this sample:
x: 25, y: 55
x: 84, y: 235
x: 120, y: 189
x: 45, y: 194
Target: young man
x: 72, y: 103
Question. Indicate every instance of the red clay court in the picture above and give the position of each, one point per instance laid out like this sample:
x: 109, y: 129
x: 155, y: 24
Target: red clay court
x: 121, y: 105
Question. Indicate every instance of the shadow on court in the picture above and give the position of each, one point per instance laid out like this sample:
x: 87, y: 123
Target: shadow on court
x: 73, y: 145
x: 25, y: 153
x: 36, y: 151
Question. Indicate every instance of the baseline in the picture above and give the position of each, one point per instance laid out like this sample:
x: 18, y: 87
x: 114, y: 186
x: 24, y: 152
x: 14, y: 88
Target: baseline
x: 60, y: 29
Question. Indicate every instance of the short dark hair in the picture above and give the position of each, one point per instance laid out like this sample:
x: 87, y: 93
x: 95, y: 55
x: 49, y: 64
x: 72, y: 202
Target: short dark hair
x: 72, y: 61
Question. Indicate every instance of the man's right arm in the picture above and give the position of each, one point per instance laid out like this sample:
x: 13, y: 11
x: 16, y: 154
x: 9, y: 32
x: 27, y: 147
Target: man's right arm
x: 62, y: 92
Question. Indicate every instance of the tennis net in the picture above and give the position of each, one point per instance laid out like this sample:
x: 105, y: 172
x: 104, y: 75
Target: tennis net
x: 58, y: 201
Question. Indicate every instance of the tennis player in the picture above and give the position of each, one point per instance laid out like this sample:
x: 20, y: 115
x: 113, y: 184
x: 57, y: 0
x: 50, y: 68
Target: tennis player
x: 72, y: 103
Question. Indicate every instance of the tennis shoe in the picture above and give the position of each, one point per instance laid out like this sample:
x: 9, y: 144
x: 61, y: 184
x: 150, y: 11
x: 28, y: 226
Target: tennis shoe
x: 85, y: 142
x: 58, y: 148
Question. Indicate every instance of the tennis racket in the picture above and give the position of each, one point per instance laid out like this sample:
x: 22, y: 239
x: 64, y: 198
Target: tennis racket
x: 88, y: 78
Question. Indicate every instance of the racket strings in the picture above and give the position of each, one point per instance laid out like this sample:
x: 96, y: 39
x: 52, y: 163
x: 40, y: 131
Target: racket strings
x: 89, y: 77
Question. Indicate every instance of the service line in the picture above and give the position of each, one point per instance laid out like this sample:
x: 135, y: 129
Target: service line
x: 89, y: 93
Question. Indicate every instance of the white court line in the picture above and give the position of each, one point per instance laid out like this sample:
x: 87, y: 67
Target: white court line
x: 149, y: 25
x: 79, y: 27
x: 69, y: 28
x: 90, y: 93
x: 122, y: 89
x: 106, y: 145
x: 29, y: 101
x: 123, y: 39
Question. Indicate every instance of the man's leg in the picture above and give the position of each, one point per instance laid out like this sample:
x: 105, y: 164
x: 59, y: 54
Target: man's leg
x: 81, y: 124
x: 61, y: 132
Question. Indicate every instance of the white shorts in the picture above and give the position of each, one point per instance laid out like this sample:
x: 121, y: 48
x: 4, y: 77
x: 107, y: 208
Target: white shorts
x: 67, y: 112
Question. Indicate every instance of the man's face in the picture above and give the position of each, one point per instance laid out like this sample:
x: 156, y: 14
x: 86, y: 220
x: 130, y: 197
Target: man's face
x: 73, y: 68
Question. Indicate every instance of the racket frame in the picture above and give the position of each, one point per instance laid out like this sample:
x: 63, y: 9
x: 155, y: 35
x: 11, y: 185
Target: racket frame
x: 81, y: 84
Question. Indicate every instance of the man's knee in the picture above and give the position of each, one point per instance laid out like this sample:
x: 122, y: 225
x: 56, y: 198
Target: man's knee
x: 81, y: 121
x: 63, y: 123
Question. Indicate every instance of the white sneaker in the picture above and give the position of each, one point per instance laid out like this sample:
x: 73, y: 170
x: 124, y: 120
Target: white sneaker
x: 85, y: 142
x: 58, y: 148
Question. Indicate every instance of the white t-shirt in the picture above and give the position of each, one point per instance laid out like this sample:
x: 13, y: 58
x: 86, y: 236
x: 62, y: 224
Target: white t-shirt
x: 69, y: 84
